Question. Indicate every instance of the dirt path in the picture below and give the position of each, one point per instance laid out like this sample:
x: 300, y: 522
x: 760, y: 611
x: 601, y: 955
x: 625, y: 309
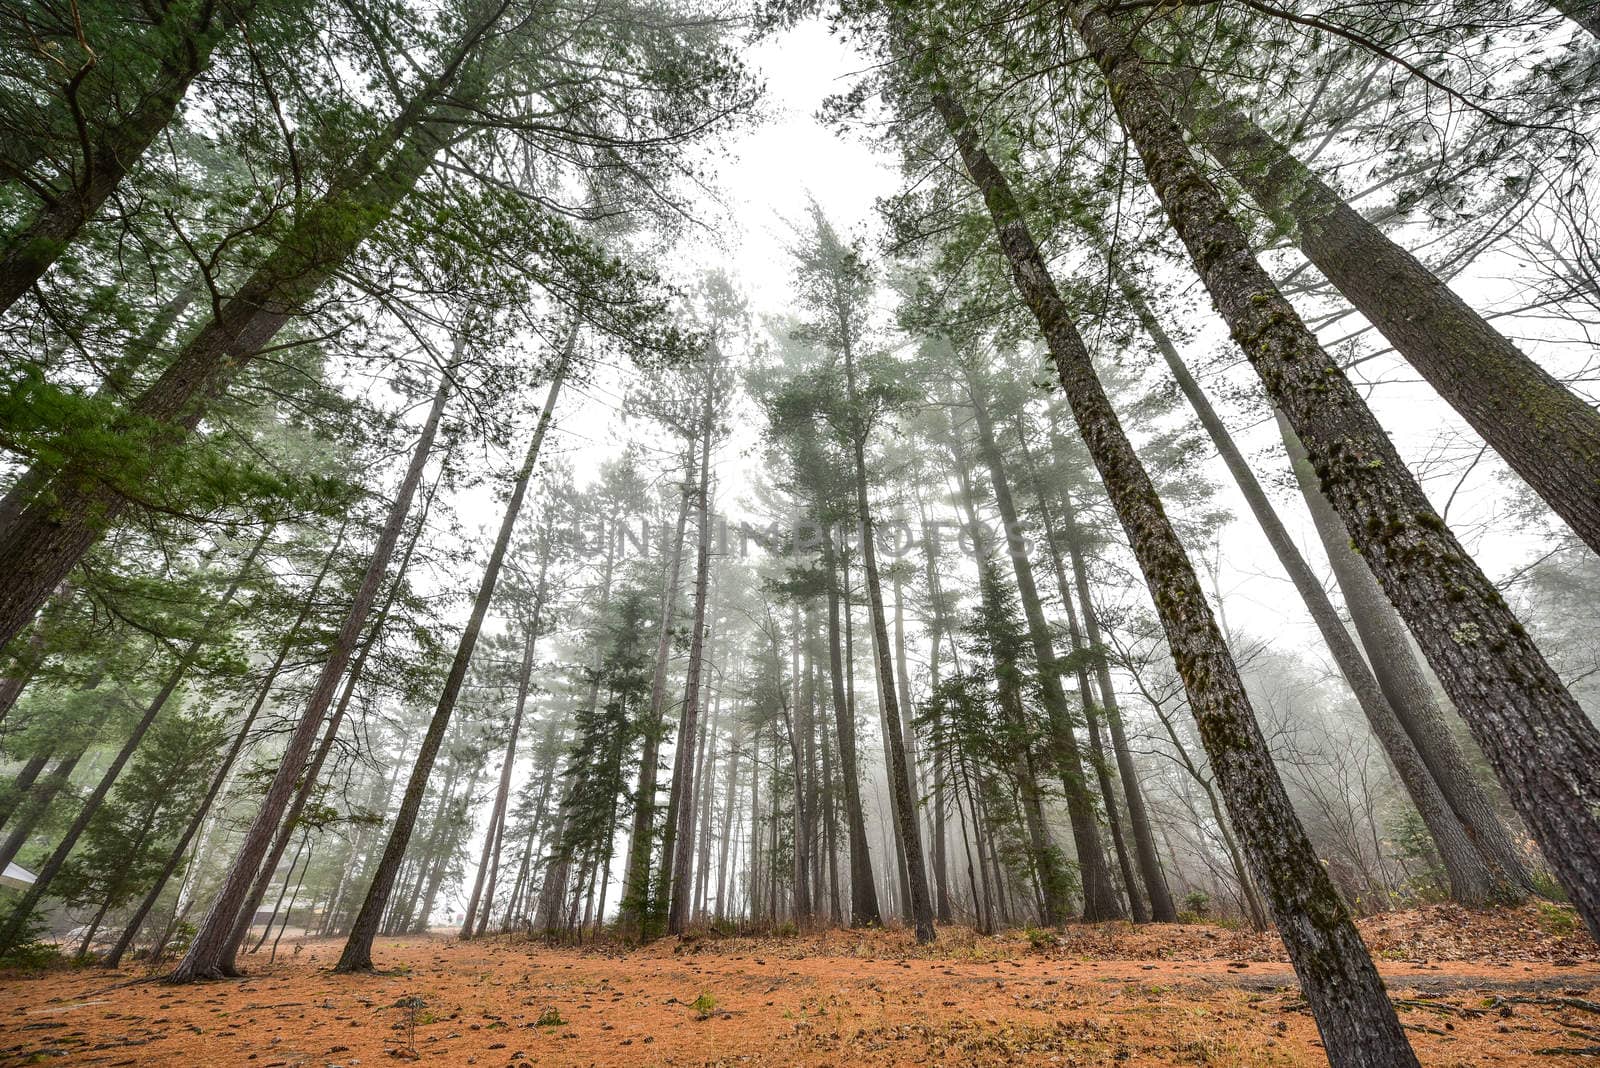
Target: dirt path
x: 840, y: 1000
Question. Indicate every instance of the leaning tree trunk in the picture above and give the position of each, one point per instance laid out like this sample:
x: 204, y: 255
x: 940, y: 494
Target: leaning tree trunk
x: 1099, y: 896
x: 497, y: 815
x: 1541, y: 744
x: 20, y: 789
x: 675, y: 853
x: 1358, y: 1024
x: 213, y: 941
x: 16, y: 922
x: 1155, y: 883
x: 1545, y: 432
x: 1474, y: 878
x: 1388, y: 646
x: 357, y: 955
x: 240, y: 739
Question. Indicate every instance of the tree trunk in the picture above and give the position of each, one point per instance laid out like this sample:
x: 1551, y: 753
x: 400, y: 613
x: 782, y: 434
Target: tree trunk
x: 675, y: 854
x: 20, y: 789
x: 16, y: 922
x: 920, y: 903
x: 240, y: 739
x: 1400, y: 677
x: 941, y: 862
x: 1358, y: 1023
x: 1099, y: 896
x: 863, y: 890
x: 1474, y: 879
x: 503, y: 794
x: 357, y: 954
x: 1155, y: 882
x: 734, y: 747
x: 1545, y: 432
x: 214, y: 941
x: 1539, y: 741
x: 636, y: 897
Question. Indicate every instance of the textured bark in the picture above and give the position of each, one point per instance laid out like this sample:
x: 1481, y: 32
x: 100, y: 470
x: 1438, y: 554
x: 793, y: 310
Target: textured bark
x: 1539, y: 741
x: 1545, y: 432
x: 1388, y: 646
x: 357, y: 954
x: 16, y: 922
x: 77, y: 502
x: 214, y: 939
x: 1339, y: 980
x: 1099, y: 896
x: 1473, y: 879
x: 675, y: 853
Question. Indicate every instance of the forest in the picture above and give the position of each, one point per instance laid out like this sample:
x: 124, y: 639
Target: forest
x: 793, y: 532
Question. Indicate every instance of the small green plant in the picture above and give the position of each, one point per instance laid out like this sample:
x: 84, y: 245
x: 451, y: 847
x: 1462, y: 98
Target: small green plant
x: 1038, y: 938
x: 550, y: 1017
x: 1557, y: 919
x: 704, y: 1005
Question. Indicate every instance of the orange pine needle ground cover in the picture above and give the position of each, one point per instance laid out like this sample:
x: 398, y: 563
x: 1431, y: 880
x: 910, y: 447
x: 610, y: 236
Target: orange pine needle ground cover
x: 1513, y: 987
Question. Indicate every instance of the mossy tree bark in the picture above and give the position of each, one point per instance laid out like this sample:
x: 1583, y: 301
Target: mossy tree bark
x: 1358, y: 1024
x: 1474, y: 879
x: 1539, y: 741
x: 1547, y: 434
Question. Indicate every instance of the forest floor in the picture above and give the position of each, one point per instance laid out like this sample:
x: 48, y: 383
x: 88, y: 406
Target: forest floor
x: 1511, y: 987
